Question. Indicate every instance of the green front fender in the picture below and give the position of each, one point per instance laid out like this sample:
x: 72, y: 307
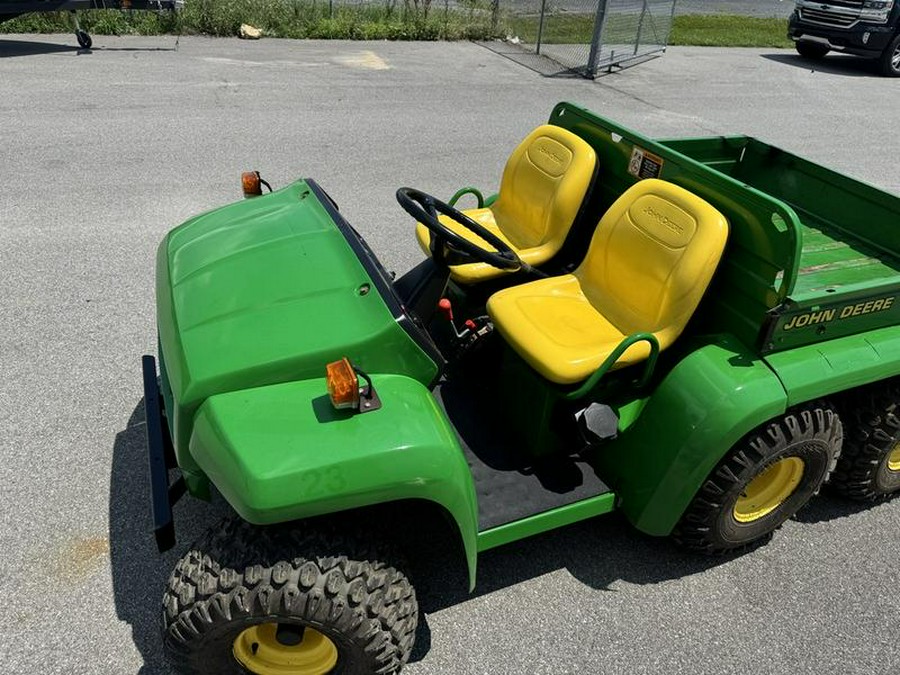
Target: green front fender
x: 282, y: 452
x: 712, y: 398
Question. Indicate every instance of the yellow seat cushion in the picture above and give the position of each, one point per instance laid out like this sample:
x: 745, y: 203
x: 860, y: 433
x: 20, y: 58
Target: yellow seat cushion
x: 649, y: 263
x: 544, y: 184
x: 557, y: 330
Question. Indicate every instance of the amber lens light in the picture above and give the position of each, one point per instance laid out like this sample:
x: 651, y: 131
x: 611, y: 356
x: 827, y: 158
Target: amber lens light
x: 343, y: 387
x: 251, y: 184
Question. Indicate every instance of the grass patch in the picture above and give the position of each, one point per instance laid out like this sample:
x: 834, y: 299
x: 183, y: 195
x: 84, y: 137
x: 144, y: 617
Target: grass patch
x: 729, y: 31
x: 558, y: 29
x: 717, y: 30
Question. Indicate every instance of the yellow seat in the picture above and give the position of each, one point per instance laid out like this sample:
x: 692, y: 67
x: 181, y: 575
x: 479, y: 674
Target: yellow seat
x: 545, y: 181
x: 649, y: 263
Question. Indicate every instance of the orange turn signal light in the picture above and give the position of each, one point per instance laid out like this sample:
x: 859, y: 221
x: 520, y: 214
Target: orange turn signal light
x: 343, y: 386
x: 251, y: 183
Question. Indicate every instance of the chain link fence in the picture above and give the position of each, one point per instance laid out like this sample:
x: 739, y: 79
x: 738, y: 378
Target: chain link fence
x: 589, y: 37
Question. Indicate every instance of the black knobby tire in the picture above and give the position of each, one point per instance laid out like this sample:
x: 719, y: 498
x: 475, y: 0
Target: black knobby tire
x: 811, y: 434
x: 240, y: 575
x: 811, y: 50
x: 872, y: 417
x: 890, y: 58
x: 84, y: 40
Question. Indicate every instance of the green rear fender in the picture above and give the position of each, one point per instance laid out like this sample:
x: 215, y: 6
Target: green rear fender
x: 282, y: 453
x: 712, y: 398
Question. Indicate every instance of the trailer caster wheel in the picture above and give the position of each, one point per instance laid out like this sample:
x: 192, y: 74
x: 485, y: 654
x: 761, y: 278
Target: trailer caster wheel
x: 84, y: 40
x: 762, y: 481
x: 268, y: 600
x: 869, y: 467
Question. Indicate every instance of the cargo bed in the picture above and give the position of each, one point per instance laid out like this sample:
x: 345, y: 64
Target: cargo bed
x: 848, y: 239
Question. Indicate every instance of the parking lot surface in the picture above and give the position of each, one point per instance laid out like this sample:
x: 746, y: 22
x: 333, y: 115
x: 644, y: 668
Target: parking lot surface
x: 104, y: 151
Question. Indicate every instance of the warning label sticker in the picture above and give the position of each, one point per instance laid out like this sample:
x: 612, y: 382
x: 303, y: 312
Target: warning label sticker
x: 644, y: 164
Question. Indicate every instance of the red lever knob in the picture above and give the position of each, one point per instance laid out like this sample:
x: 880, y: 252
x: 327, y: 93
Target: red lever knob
x: 446, y: 308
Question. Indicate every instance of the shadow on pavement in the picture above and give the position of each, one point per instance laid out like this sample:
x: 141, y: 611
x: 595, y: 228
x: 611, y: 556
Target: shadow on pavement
x: 12, y: 48
x: 833, y: 64
x: 534, y: 62
x: 597, y: 552
x: 828, y: 506
x: 139, y: 571
x: 542, y: 64
x: 101, y: 48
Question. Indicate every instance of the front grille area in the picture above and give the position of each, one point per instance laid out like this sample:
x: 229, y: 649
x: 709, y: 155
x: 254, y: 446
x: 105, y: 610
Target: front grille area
x: 827, y: 18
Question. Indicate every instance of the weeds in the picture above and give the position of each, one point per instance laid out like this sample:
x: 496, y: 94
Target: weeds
x: 389, y: 20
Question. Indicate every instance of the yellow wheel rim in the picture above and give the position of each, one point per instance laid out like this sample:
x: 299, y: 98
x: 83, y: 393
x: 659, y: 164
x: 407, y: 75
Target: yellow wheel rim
x: 291, y: 650
x: 894, y: 457
x: 768, y: 490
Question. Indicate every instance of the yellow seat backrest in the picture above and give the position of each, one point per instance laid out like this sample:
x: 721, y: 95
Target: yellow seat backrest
x: 651, y: 258
x: 544, y: 184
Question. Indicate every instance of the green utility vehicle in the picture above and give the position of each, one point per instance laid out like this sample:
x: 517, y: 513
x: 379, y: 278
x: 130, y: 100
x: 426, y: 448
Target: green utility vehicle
x: 696, y: 332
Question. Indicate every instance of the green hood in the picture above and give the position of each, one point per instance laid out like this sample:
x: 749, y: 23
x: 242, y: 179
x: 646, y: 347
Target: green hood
x: 268, y: 290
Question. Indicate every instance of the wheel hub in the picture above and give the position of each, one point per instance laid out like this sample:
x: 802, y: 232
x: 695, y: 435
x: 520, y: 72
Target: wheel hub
x: 894, y: 457
x: 285, y: 649
x: 289, y: 634
x: 769, y: 490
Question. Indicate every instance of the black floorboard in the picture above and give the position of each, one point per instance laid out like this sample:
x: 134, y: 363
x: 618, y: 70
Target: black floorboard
x: 510, y: 484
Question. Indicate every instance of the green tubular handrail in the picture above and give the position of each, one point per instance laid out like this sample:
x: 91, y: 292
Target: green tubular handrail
x: 632, y: 339
x: 467, y: 191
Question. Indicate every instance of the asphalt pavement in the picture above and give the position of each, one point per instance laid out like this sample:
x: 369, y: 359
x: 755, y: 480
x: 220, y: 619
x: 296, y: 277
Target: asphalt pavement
x: 104, y: 151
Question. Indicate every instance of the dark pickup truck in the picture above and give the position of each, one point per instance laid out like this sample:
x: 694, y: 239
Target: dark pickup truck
x: 869, y: 28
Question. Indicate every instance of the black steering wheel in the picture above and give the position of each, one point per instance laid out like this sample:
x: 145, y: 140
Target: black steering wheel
x: 424, y: 208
